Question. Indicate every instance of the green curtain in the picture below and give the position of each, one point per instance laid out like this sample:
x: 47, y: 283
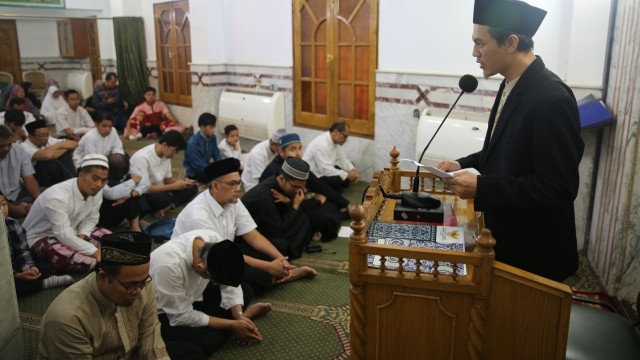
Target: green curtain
x: 131, y: 52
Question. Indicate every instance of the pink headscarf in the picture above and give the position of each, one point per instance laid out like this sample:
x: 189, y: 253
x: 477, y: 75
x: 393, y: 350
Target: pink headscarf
x: 14, y: 94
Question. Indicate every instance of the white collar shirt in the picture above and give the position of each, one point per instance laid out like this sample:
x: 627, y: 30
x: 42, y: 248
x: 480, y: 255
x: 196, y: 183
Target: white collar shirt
x: 178, y: 285
x: 204, y: 212
x: 147, y: 164
x: 257, y: 160
x: 94, y: 143
x: 227, y: 151
x: 79, y: 120
x: 32, y: 148
x: 323, y: 155
x: 13, y: 167
x: 62, y: 212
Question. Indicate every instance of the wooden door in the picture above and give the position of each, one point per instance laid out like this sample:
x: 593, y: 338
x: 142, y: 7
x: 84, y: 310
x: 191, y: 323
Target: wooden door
x: 94, y: 49
x: 9, y: 50
x: 173, y: 51
x: 335, y: 57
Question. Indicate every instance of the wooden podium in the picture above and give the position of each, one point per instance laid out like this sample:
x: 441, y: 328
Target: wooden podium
x: 496, y: 311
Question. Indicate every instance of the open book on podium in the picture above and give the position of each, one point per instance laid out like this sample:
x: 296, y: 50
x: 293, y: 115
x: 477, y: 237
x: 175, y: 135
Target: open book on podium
x: 420, y: 236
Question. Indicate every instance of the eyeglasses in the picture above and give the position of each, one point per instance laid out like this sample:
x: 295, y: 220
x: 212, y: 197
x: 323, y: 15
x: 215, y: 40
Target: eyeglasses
x: 131, y: 288
x: 233, y: 184
x: 344, y: 135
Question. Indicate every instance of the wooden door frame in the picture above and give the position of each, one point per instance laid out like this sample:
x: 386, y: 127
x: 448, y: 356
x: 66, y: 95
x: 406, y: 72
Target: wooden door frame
x: 17, y: 77
x: 359, y: 128
x: 173, y: 98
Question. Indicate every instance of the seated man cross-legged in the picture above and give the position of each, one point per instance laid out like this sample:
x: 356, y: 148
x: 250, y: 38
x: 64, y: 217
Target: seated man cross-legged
x: 153, y: 163
x: 72, y: 120
x: 277, y: 205
x: 61, y: 226
x: 200, y: 297
x: 111, y: 313
x: 219, y: 209
x: 102, y: 139
x: 328, y: 160
x: 52, y: 158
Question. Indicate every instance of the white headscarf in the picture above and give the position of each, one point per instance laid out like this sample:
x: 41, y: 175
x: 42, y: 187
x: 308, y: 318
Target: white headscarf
x: 50, y: 105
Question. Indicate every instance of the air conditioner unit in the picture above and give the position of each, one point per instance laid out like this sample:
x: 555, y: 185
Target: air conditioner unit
x: 257, y: 114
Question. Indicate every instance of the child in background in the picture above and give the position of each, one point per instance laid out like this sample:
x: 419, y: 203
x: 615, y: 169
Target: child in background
x: 29, y: 277
x: 151, y: 119
x: 230, y: 145
x: 202, y: 149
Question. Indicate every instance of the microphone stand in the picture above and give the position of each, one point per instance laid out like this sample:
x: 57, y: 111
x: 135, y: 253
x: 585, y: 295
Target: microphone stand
x: 415, y: 198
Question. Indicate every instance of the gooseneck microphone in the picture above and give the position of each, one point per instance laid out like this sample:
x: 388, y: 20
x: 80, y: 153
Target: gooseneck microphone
x: 414, y: 198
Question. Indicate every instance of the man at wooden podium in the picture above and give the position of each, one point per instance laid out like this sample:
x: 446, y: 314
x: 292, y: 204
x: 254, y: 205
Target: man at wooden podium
x: 532, y: 149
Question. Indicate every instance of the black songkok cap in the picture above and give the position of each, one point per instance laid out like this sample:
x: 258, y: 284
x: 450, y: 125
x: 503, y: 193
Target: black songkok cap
x: 222, y: 167
x: 35, y: 125
x: 296, y: 168
x: 515, y: 16
x: 125, y: 248
x: 225, y: 263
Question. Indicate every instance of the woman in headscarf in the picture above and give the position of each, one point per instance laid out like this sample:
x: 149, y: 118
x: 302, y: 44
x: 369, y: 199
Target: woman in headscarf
x: 49, y: 83
x: 53, y: 100
x: 17, y: 91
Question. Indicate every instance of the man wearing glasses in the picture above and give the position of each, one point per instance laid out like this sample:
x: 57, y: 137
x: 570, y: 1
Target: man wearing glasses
x: 111, y: 313
x: 327, y: 159
x: 52, y: 158
x: 220, y: 210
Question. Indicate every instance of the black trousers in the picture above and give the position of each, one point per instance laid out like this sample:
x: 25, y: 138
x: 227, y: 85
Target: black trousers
x: 146, y: 130
x: 55, y: 171
x: 160, y: 200
x: 206, y: 338
x: 335, y: 182
x: 111, y: 216
x: 24, y: 288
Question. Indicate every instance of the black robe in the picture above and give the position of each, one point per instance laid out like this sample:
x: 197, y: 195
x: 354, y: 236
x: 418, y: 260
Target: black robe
x: 530, y: 175
x: 288, y: 229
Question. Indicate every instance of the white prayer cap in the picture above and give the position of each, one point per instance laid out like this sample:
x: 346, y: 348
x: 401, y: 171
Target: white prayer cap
x: 94, y: 160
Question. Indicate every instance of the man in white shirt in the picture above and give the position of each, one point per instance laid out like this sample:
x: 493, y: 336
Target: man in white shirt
x: 199, y: 294
x: 153, y: 162
x: 99, y: 140
x: 72, y: 120
x: 17, y: 180
x: 327, y: 159
x: 219, y: 209
x: 51, y: 158
x: 259, y: 157
x: 61, y: 226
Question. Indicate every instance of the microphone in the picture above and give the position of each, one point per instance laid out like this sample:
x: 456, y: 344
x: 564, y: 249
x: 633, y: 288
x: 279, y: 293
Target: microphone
x: 414, y: 198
